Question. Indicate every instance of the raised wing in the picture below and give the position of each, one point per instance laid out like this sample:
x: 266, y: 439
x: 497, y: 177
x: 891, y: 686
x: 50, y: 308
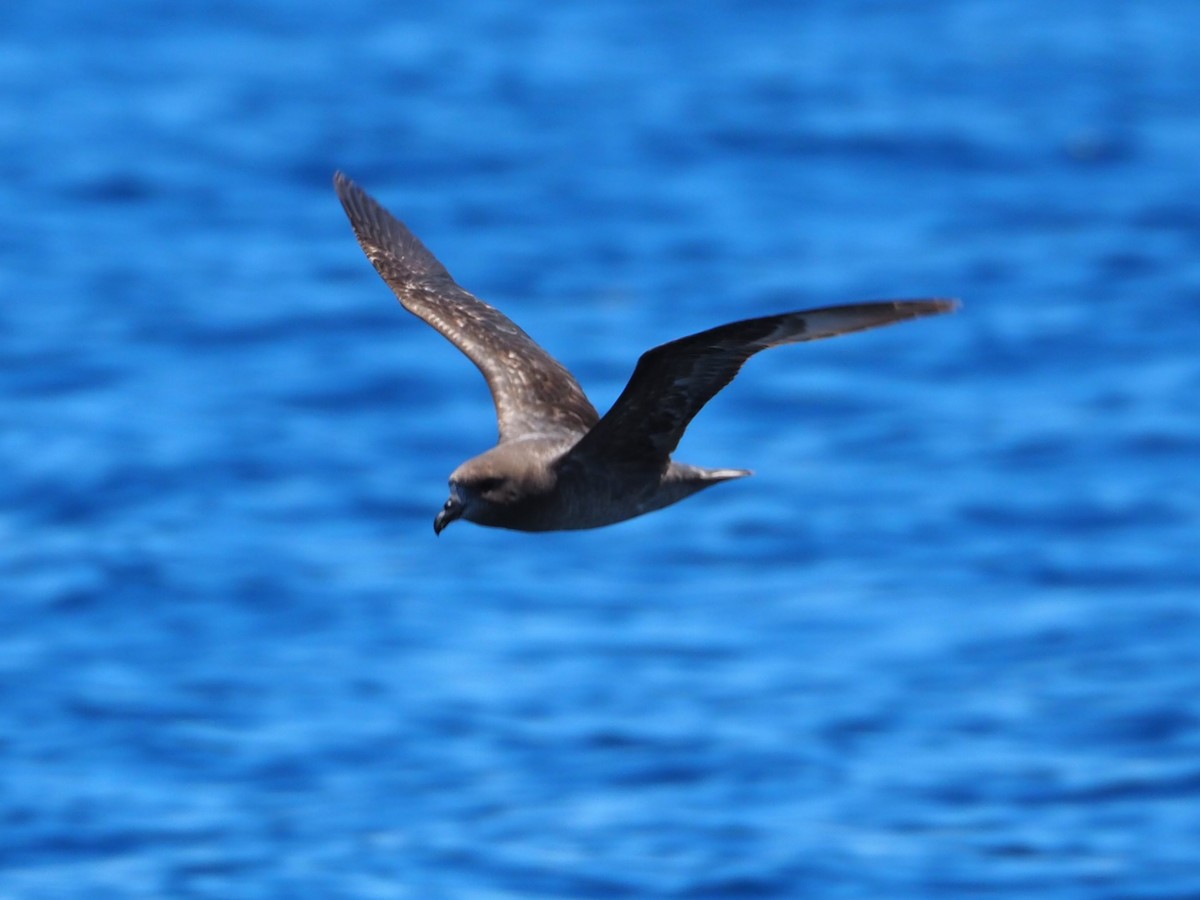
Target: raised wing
x: 533, y: 392
x: 672, y: 382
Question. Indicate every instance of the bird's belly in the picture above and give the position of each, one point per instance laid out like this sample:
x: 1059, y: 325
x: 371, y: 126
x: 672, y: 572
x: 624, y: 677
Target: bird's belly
x: 599, y: 503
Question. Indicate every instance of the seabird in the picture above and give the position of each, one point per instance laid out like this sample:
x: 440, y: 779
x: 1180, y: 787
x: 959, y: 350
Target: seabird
x: 558, y: 464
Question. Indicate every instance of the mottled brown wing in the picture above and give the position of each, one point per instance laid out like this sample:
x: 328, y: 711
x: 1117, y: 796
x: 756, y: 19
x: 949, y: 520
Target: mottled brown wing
x: 533, y: 392
x: 672, y: 382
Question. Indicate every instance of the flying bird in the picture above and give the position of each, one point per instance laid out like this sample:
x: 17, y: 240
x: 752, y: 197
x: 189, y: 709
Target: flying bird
x: 560, y: 465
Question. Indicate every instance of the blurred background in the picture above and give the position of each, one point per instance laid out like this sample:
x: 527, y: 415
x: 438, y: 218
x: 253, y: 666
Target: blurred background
x: 945, y: 643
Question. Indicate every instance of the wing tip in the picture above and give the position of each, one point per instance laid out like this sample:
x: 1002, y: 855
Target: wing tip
x: 930, y: 306
x: 348, y: 191
x: 727, y: 474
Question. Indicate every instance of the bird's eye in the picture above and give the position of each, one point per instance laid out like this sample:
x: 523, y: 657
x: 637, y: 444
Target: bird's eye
x: 489, y: 484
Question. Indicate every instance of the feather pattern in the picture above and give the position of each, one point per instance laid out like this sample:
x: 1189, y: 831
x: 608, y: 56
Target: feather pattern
x: 533, y: 392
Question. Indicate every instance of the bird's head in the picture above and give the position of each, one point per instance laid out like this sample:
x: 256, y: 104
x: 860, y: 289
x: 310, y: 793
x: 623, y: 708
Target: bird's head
x: 499, y: 488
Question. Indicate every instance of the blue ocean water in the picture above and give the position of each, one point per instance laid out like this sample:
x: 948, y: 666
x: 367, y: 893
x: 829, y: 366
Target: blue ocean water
x: 946, y: 643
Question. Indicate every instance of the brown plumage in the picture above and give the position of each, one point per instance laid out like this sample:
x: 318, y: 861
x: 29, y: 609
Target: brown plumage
x: 559, y: 465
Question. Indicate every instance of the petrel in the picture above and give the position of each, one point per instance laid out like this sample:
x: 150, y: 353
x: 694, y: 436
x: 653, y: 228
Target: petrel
x: 560, y: 465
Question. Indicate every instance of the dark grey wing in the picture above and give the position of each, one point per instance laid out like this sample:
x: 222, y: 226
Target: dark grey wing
x: 672, y: 382
x: 533, y: 392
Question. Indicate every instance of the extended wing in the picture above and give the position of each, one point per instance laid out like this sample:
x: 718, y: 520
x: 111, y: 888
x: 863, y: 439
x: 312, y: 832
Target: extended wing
x: 533, y: 392
x: 672, y: 382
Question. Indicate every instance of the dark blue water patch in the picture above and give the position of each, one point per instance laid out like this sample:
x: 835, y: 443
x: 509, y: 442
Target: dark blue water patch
x: 45, y: 375
x: 889, y: 150
x: 1163, y: 445
x: 1083, y: 518
x: 1154, y: 727
x: 239, y: 337
x: 120, y: 188
x: 1169, y: 218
